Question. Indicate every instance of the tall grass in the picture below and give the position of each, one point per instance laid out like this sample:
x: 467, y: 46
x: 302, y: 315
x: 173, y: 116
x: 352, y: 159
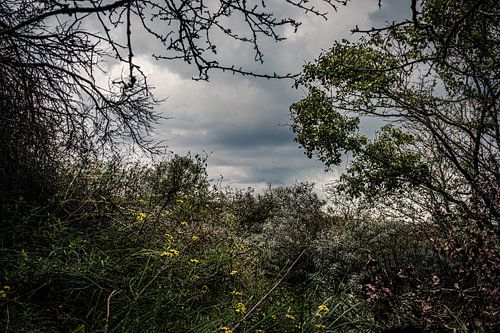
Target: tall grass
x: 132, y: 248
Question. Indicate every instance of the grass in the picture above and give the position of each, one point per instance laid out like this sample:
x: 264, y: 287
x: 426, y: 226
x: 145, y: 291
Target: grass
x: 159, y: 250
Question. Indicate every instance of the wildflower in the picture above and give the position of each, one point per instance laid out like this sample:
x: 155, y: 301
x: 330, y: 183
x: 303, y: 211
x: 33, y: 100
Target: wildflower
x: 195, y: 261
x: 166, y: 254
x: 141, y: 217
x: 320, y: 327
x: 195, y: 238
x: 240, y: 308
x: 141, y: 201
x: 24, y: 254
x: 179, y: 201
x: 236, y: 293
x: 233, y: 272
x: 274, y: 317
x: 4, y: 291
x: 289, y: 316
x: 204, y: 289
x: 226, y: 329
x: 323, y: 308
x: 195, y: 277
x: 184, y: 223
x: 170, y: 253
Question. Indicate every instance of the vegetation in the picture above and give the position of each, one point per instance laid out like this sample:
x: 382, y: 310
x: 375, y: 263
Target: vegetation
x: 408, y: 239
x: 433, y: 81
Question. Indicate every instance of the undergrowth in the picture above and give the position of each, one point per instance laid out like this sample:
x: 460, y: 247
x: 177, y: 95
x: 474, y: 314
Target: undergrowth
x: 133, y: 248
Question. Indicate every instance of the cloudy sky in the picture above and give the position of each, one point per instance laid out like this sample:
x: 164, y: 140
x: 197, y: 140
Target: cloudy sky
x: 240, y: 121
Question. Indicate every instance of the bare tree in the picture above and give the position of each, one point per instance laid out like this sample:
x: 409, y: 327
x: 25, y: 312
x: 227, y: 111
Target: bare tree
x: 51, y: 52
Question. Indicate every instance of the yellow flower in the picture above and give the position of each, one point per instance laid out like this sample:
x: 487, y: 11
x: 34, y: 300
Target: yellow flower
x: 195, y: 277
x: 289, y: 316
x: 323, y: 308
x: 141, y: 200
x: 274, y: 317
x: 184, y: 223
x: 141, y: 217
x: 240, y: 308
x: 195, y: 261
x: 320, y: 327
x: 3, y: 294
x: 169, y: 239
x: 195, y: 238
x: 179, y: 201
x: 226, y: 329
x: 24, y: 254
x: 7, y: 288
x: 236, y: 293
x: 233, y: 272
x: 170, y: 253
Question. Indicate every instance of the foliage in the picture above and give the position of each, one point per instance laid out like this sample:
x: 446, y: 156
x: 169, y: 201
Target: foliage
x: 435, y: 77
x: 433, y: 81
x: 130, y: 247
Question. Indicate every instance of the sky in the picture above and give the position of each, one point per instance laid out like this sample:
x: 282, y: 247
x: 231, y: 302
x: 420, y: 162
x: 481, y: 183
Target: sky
x: 240, y: 122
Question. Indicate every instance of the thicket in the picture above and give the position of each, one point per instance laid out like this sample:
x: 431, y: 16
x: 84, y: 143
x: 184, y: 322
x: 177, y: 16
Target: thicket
x: 127, y: 247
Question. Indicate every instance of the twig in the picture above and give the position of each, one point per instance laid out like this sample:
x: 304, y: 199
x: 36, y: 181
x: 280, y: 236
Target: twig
x: 114, y: 292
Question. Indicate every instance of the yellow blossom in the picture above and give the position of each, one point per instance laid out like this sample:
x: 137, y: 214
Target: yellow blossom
x: 240, y: 308
x: 320, y: 327
x: 236, y: 293
x: 289, y: 316
x: 233, y: 272
x: 24, y: 254
x: 170, y: 253
x: 195, y: 238
x: 274, y: 317
x: 141, y: 217
x: 3, y: 294
x: 184, y: 223
x: 179, y: 201
x: 226, y: 329
x: 195, y: 261
x: 323, y: 308
x: 195, y: 277
x: 169, y: 238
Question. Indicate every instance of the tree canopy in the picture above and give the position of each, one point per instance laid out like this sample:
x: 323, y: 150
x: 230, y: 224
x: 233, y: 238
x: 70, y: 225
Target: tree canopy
x: 434, y: 80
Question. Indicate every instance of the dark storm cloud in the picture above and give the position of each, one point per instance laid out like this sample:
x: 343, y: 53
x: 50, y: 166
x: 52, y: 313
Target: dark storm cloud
x: 239, y: 120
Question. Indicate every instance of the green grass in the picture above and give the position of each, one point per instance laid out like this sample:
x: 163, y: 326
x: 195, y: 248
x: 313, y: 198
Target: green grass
x: 142, y: 250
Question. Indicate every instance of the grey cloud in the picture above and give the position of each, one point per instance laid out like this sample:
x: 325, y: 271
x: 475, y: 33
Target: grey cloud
x: 238, y: 118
